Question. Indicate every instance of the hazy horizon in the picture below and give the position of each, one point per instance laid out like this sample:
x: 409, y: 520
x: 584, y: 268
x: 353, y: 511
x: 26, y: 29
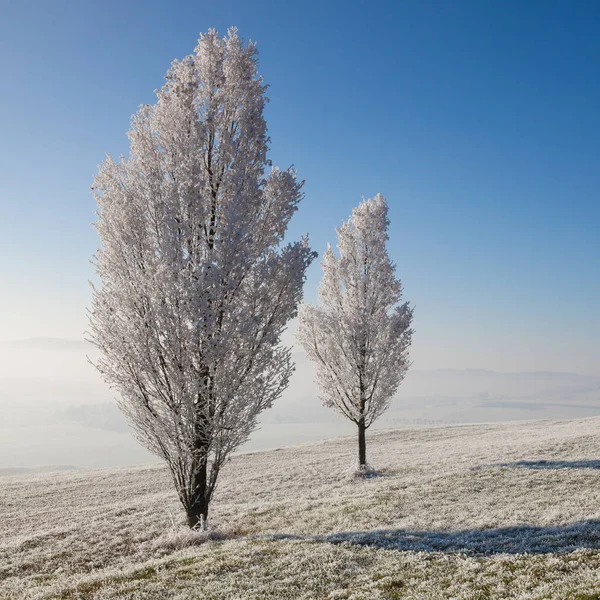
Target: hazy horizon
x: 57, y: 410
x: 73, y: 343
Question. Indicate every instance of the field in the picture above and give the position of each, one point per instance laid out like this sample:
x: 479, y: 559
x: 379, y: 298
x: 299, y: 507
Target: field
x: 480, y: 511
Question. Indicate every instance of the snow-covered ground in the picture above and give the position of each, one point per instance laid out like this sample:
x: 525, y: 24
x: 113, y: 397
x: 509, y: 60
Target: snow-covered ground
x: 507, y: 510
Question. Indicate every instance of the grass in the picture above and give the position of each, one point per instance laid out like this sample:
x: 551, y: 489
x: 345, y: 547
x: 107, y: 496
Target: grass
x: 488, y: 511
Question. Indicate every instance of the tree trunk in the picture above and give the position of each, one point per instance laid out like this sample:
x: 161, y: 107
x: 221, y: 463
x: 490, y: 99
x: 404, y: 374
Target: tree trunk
x: 197, y: 511
x: 362, y: 446
x: 197, y: 515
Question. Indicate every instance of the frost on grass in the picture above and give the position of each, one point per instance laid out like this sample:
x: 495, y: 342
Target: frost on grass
x: 365, y: 471
x: 462, y: 512
x: 181, y: 537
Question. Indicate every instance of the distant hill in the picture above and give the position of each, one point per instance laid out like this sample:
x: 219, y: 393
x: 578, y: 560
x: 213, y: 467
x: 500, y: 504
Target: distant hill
x: 10, y: 471
x: 55, y: 408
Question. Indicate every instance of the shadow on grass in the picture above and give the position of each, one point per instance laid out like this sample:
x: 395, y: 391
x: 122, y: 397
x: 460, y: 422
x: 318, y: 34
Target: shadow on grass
x: 553, y: 464
x: 506, y: 540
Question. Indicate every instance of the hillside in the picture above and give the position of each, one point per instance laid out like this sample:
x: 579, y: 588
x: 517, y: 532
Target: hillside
x: 479, y: 511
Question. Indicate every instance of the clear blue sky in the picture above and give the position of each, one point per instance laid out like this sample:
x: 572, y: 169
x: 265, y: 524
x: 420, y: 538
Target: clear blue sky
x: 479, y: 121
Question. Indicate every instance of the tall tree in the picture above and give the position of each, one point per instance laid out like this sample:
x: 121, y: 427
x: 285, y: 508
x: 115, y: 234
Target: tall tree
x: 359, y: 334
x: 196, y: 285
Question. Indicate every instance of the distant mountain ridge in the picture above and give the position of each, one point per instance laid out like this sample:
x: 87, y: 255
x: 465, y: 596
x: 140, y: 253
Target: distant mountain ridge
x: 57, y: 343
x: 491, y: 372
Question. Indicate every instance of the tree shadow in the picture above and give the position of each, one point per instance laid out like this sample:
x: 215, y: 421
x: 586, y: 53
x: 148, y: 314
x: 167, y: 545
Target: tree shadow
x: 553, y: 464
x: 506, y: 540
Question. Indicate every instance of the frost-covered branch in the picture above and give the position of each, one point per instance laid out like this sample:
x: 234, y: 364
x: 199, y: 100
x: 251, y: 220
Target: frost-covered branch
x: 196, y: 288
x: 359, y: 335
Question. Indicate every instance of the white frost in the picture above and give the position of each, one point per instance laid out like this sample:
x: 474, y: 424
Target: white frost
x: 196, y: 287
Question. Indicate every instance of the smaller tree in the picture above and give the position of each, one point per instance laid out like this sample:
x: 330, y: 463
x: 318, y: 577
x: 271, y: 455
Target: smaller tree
x: 359, y: 334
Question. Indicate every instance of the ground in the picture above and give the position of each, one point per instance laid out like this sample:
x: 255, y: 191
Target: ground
x: 479, y: 511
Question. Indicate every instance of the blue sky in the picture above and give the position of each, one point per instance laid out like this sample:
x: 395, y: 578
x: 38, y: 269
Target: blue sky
x: 478, y: 121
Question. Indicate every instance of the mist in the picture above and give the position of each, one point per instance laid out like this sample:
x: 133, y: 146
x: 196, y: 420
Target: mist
x: 57, y: 413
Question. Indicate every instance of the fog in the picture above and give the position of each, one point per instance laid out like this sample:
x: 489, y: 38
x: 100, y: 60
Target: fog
x: 56, y: 412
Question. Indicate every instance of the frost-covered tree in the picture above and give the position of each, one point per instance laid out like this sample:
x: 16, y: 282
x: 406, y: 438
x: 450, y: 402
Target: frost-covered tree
x: 359, y: 334
x: 196, y: 284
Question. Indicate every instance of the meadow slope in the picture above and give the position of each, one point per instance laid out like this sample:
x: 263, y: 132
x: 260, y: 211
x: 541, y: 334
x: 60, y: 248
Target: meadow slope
x: 507, y: 510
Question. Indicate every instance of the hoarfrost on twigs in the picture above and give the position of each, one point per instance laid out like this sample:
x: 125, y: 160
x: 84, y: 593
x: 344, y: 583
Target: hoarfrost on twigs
x: 196, y: 287
x: 359, y: 335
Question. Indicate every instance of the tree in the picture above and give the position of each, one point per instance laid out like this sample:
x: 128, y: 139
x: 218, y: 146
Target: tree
x: 359, y: 335
x: 196, y: 284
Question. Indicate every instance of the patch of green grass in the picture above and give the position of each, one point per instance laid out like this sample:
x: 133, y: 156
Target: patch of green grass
x: 393, y: 588
x: 143, y: 574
